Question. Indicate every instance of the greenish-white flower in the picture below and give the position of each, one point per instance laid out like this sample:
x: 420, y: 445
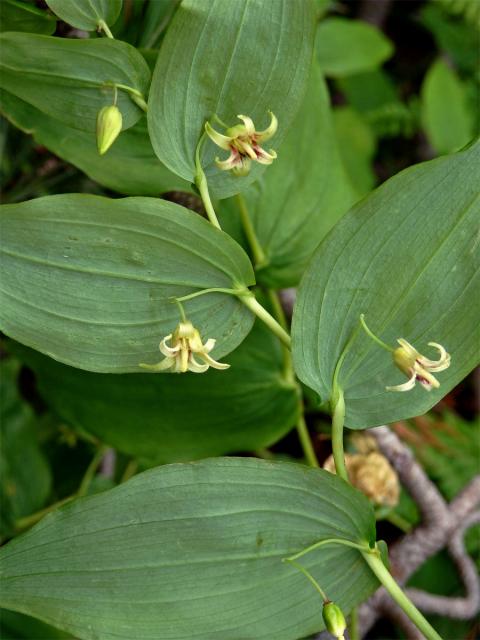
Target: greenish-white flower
x: 243, y: 141
x: 181, y: 350
x: 417, y: 367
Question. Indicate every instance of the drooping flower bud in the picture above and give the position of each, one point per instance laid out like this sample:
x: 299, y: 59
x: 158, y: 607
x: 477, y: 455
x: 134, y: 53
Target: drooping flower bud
x: 109, y: 125
x: 334, y: 620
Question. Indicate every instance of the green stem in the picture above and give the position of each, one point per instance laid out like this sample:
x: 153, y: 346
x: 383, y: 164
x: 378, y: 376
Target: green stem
x: 252, y: 303
x: 91, y: 471
x: 28, y: 521
x: 202, y: 184
x: 259, y: 258
x: 398, y: 521
x: 304, y: 437
x: 136, y: 95
x: 232, y: 292
x: 376, y: 565
x: 321, y: 543
x: 353, y: 629
x: 104, y: 27
x: 279, y: 315
x: 338, y: 417
x: 130, y: 470
x: 277, y: 308
x: 381, y: 343
x: 309, y: 577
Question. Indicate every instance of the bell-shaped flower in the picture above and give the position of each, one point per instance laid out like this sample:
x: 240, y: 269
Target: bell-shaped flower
x: 181, y: 350
x: 417, y: 367
x: 243, y: 142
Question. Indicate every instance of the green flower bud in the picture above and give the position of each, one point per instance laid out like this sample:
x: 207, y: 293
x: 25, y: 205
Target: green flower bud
x: 109, y: 125
x: 334, y: 620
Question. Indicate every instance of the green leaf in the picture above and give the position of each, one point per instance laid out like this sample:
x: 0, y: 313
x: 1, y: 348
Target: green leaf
x: 247, y: 407
x: 157, y: 17
x: 68, y: 79
x: 406, y: 257
x: 445, y: 116
x: 25, y: 479
x: 194, y: 551
x: 357, y: 145
x: 345, y: 47
x: 15, y: 626
x: 21, y: 16
x: 129, y: 167
x: 456, y: 37
x: 86, y: 14
x: 88, y: 280
x: 302, y: 194
x: 227, y: 58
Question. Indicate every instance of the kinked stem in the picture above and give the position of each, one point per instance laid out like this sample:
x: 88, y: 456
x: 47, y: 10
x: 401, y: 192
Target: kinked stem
x: 306, y: 442
x: 252, y: 303
x: 338, y: 417
x: 103, y: 26
x: 376, y: 565
x: 259, y: 258
x: 202, y: 185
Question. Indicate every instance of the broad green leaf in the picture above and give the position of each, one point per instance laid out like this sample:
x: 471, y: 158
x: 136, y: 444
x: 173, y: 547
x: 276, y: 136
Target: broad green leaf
x: 406, y: 257
x: 16, y: 626
x: 227, y: 58
x: 170, y: 418
x: 345, y: 47
x: 374, y: 95
x: 194, y: 551
x: 69, y: 79
x: 357, y: 145
x: 88, y: 280
x: 25, y: 479
x: 86, y: 14
x: 22, y: 16
x: 302, y: 195
x: 129, y: 167
x: 456, y: 37
x: 369, y: 91
x: 157, y: 17
x: 445, y: 116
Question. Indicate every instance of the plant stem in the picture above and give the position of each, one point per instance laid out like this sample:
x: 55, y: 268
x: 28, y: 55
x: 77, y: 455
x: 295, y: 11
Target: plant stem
x: 376, y: 565
x: 321, y: 543
x: 90, y: 472
x: 279, y: 315
x: 353, y: 626
x: 104, y: 27
x: 259, y: 258
x: 398, y: 521
x: 202, y: 184
x: 28, y: 521
x: 252, y: 303
x: 338, y: 417
x: 381, y: 343
x: 135, y: 94
x: 130, y: 470
x: 277, y: 308
x: 309, y: 577
x: 232, y: 292
x: 304, y: 437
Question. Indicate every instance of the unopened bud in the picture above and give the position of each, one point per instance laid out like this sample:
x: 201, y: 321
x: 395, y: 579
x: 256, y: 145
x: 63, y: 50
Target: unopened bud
x: 334, y: 620
x: 109, y: 125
